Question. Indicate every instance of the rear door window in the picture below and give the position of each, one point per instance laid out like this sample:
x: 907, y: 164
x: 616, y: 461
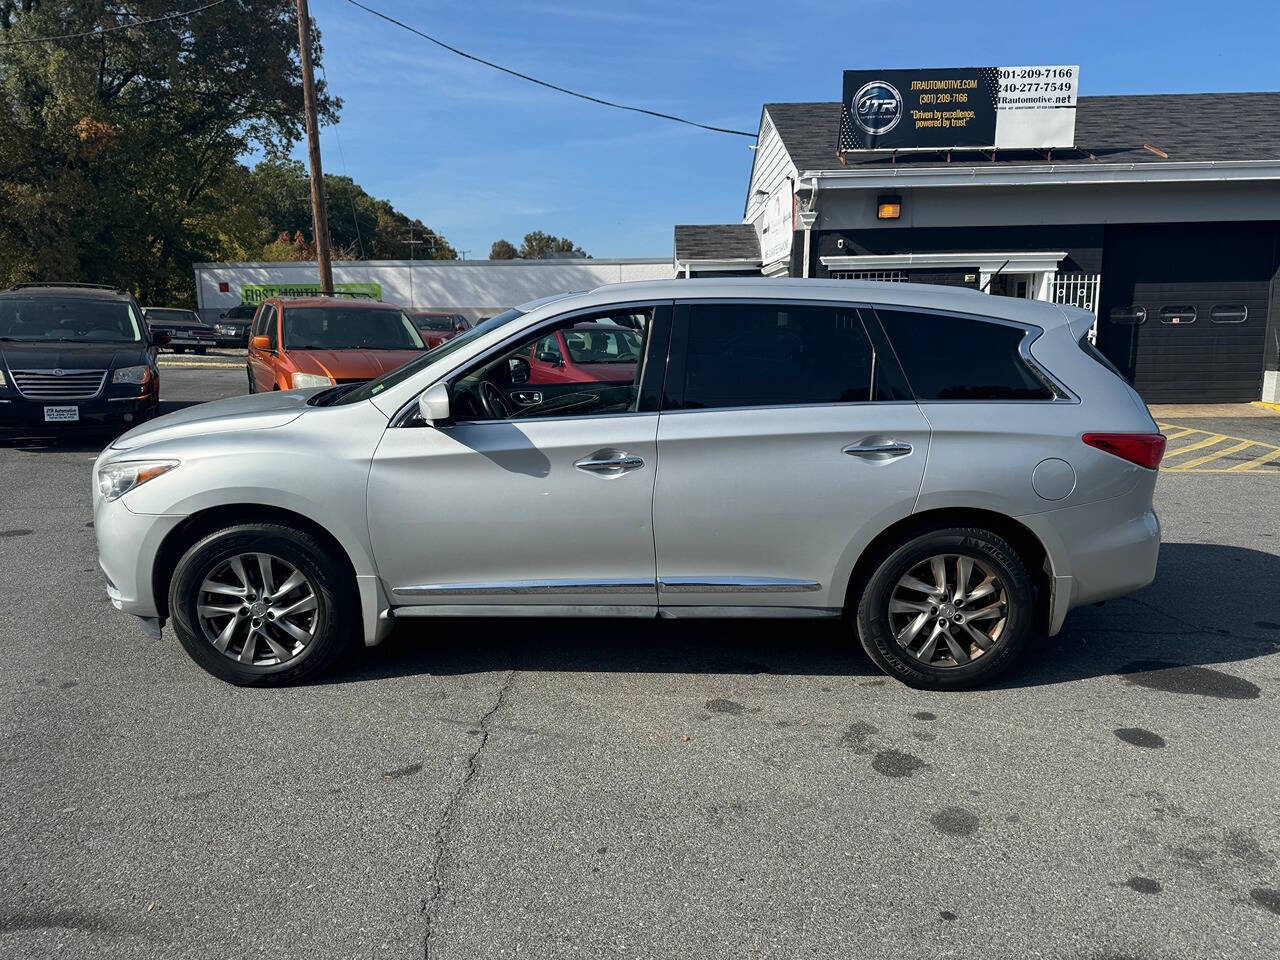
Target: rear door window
x: 769, y: 354
x: 952, y: 357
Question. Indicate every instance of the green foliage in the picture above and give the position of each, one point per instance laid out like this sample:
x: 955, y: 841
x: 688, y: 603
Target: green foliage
x: 503, y: 250
x: 119, y: 154
x: 539, y: 245
x: 536, y: 246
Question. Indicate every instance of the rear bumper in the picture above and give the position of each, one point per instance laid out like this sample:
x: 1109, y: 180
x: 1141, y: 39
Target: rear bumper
x: 1097, y: 551
x: 18, y: 414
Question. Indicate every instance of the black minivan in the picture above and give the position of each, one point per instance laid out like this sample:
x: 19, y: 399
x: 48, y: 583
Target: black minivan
x: 75, y: 355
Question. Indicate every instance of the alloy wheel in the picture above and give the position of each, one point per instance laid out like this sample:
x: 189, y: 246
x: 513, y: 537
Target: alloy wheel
x: 257, y: 609
x: 948, y: 610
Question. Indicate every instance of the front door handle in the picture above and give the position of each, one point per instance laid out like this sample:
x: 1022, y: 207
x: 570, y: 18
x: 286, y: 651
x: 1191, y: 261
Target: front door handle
x: 875, y: 448
x: 609, y: 463
x: 527, y: 398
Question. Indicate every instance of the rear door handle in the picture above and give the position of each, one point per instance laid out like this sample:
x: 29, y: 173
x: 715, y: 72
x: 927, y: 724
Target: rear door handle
x: 609, y: 463
x: 877, y: 449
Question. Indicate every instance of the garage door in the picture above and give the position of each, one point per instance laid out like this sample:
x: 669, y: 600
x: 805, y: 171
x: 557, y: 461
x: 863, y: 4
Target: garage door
x: 1190, y: 342
x: 1184, y: 308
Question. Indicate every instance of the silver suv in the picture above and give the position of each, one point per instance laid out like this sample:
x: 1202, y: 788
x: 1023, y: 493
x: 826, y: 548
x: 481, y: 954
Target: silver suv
x: 952, y: 472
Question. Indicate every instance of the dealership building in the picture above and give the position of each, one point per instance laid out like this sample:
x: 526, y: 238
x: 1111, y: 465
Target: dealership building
x: 1160, y: 214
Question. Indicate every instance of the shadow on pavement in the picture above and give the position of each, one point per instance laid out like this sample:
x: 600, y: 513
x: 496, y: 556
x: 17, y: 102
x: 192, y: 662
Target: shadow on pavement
x: 1192, y: 615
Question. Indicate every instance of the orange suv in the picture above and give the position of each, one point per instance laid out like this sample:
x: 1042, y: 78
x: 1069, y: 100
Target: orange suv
x: 320, y: 341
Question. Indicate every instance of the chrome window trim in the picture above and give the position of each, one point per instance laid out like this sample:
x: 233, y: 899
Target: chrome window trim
x: 524, y: 588
x: 736, y: 585
x: 1061, y: 392
x: 406, y: 410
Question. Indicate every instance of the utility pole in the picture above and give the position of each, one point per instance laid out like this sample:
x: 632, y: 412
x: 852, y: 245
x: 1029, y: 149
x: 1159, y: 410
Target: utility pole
x: 319, y: 217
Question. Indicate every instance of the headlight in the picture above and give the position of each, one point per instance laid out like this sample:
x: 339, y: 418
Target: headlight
x: 310, y: 380
x: 223, y: 329
x: 3, y: 382
x: 117, y: 479
x: 139, y: 374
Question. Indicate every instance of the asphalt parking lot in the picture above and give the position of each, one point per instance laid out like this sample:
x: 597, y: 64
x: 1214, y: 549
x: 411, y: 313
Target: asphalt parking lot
x: 658, y: 789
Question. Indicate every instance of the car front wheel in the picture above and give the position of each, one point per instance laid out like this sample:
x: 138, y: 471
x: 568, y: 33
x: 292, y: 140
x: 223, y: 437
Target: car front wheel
x: 947, y: 609
x: 262, y: 604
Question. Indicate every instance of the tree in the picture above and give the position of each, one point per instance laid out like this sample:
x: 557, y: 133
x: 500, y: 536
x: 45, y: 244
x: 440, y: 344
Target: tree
x: 118, y: 153
x: 539, y: 246
x: 503, y: 250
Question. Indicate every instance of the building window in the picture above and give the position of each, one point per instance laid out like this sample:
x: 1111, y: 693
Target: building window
x: 1128, y: 316
x: 1178, y: 313
x: 1228, y: 313
x: 890, y: 276
x: 1077, y: 290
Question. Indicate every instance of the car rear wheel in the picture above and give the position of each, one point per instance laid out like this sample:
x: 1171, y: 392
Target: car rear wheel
x: 262, y: 604
x: 947, y: 609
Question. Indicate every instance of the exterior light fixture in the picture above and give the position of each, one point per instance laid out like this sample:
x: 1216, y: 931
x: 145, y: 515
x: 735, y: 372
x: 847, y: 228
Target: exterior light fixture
x: 888, y: 207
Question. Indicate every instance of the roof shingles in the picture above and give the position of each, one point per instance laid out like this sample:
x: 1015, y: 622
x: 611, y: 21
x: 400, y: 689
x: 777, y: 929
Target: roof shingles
x: 717, y: 241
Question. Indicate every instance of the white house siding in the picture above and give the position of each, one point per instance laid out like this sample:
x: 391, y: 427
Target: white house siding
x: 474, y: 288
x: 769, y: 172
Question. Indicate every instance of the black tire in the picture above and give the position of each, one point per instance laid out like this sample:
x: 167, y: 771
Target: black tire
x: 201, y: 351
x: 872, y: 608
x: 337, y: 603
x: 179, y: 349
x: 251, y: 386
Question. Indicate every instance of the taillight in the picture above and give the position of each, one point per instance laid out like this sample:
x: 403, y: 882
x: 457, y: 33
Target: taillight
x: 1144, y: 449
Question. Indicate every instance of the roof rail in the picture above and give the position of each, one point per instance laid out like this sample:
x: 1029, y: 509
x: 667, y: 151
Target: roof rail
x: 351, y: 294
x: 67, y: 283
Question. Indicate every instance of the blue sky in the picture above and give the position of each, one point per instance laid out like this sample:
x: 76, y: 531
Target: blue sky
x: 479, y: 155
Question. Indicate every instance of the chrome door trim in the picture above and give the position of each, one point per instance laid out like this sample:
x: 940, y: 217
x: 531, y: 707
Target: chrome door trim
x: 642, y: 611
x: 736, y: 585
x: 525, y: 588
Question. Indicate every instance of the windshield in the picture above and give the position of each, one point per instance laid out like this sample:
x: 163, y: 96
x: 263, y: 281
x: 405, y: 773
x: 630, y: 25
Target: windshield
x: 375, y: 387
x: 593, y: 345
x: 244, y: 311
x: 348, y: 328
x: 77, y: 319
x: 171, y: 317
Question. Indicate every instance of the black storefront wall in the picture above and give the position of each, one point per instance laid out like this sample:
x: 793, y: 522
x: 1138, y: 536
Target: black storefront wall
x: 1189, y: 311
x: 1212, y: 269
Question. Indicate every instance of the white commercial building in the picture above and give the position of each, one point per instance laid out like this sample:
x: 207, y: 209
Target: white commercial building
x: 474, y: 288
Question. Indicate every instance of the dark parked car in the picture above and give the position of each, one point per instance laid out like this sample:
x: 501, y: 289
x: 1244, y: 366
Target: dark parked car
x: 232, y: 328
x: 185, y: 328
x: 75, y: 355
x: 437, y: 326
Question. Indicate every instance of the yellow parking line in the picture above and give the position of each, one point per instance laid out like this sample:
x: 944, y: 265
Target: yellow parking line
x: 1217, y: 454
x: 1206, y: 442
x: 1178, y: 433
x: 1271, y: 454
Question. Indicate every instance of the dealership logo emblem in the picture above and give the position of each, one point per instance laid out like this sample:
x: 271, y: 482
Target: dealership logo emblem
x: 877, y: 107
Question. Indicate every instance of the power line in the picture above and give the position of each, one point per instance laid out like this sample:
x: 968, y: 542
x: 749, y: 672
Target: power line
x: 105, y: 30
x: 355, y: 218
x: 544, y: 83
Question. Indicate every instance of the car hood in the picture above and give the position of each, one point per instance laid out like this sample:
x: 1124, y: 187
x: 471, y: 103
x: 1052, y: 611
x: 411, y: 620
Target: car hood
x: 351, y: 364
x: 72, y: 356
x: 254, y: 412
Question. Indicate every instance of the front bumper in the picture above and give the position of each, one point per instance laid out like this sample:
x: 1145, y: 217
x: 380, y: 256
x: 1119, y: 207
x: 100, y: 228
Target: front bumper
x: 18, y: 414
x: 128, y: 544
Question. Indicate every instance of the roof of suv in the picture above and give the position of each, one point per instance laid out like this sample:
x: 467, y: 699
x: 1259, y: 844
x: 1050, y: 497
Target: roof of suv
x: 357, y: 302
x: 926, y: 296
x: 89, y: 290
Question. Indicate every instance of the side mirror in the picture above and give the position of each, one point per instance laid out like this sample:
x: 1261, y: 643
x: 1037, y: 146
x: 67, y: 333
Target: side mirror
x: 161, y: 338
x: 518, y: 370
x: 433, y: 404
x: 260, y: 342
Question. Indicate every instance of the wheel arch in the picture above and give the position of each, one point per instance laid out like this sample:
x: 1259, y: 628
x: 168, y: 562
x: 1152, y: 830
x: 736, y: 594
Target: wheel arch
x: 206, y: 521
x: 1029, y: 547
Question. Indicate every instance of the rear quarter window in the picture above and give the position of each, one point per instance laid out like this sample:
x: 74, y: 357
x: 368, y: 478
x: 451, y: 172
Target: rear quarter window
x: 950, y: 357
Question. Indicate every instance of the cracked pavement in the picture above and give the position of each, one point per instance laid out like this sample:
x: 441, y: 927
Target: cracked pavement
x: 672, y: 789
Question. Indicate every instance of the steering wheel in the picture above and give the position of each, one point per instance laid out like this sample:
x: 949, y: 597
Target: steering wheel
x: 494, y: 403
